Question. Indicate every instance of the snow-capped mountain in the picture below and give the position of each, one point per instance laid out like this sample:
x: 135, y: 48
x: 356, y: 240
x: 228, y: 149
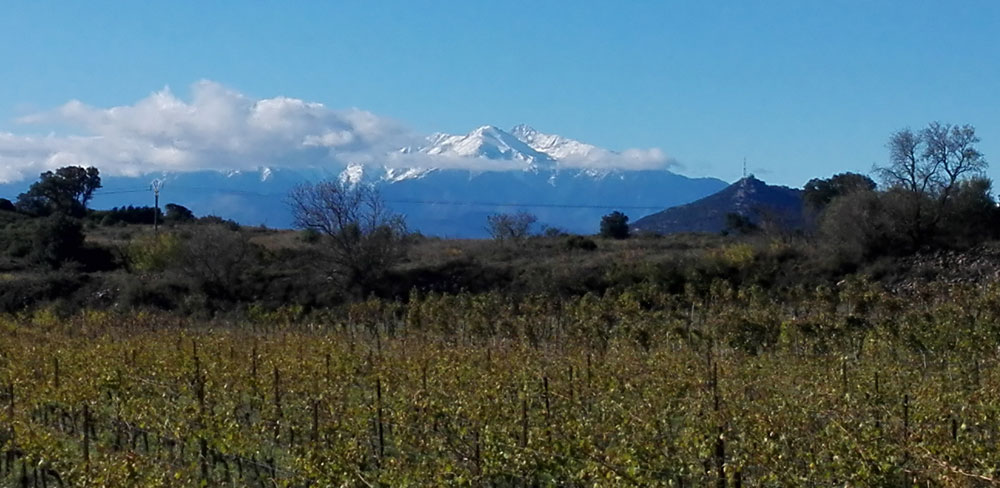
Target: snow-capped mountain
x: 446, y: 186
x: 488, y: 142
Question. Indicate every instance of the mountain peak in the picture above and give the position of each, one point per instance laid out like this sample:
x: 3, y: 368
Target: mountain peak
x: 523, y: 132
x: 487, y: 142
x: 491, y: 129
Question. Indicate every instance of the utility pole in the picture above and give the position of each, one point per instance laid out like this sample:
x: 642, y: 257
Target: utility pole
x: 156, y: 185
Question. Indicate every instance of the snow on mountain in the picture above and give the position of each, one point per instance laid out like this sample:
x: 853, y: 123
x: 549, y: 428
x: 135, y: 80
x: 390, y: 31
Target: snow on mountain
x: 558, y: 147
x: 352, y: 174
x: 394, y: 175
x: 488, y: 142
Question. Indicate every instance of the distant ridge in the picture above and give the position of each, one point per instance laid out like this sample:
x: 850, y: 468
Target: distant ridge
x: 749, y: 197
x: 445, y: 186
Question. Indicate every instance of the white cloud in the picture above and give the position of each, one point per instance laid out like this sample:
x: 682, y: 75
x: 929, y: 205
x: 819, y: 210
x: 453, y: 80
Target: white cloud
x: 629, y: 159
x: 219, y: 128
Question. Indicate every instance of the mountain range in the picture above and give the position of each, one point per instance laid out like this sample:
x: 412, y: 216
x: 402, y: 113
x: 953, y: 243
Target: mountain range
x: 450, y: 186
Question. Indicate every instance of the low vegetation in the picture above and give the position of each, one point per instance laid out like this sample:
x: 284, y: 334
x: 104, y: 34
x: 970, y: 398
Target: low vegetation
x: 848, y: 385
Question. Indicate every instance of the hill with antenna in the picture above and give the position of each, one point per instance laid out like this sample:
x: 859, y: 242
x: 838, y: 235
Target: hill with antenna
x: 749, y: 197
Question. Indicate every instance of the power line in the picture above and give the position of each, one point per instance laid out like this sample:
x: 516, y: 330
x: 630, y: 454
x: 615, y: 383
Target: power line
x: 116, y: 192
x: 455, y: 203
x: 533, y: 205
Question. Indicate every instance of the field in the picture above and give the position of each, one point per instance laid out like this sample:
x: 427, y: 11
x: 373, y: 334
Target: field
x: 851, y: 386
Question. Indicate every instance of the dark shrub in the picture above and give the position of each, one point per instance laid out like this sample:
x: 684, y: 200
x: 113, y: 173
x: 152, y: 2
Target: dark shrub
x: 57, y: 239
x: 615, y: 225
x: 581, y: 243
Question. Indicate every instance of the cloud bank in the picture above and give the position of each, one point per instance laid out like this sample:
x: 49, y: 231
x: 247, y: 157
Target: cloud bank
x: 219, y: 128
x: 629, y: 159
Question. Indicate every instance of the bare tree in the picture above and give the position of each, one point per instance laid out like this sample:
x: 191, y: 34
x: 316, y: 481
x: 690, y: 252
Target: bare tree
x: 216, y: 257
x: 504, y: 227
x: 931, y: 162
x: 950, y: 150
x: 365, y: 238
x: 925, y: 168
x: 906, y: 168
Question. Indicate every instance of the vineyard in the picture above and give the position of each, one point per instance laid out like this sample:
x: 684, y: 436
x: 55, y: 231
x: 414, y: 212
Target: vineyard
x: 839, y: 386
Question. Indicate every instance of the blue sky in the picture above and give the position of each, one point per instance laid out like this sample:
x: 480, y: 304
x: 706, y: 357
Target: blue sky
x: 800, y: 88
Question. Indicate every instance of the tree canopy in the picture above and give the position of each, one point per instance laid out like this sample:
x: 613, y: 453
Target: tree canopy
x: 819, y: 192
x: 66, y: 191
x: 925, y: 170
x: 615, y: 225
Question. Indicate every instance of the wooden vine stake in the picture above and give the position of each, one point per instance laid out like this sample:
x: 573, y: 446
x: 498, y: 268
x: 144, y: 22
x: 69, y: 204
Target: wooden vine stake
x: 548, y: 411
x: 315, y: 421
x: 378, y: 407
x: 86, y: 441
x: 277, y: 404
x: 720, y: 441
x: 55, y: 371
x: 11, y: 451
x: 524, y: 423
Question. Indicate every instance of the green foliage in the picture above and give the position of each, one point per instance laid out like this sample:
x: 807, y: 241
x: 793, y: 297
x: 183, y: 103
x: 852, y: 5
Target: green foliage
x: 66, y: 191
x: 177, y: 214
x: 7, y: 206
x: 153, y: 252
x: 818, y: 192
x: 615, y: 225
x: 41, y: 289
x: 215, y: 220
x: 971, y: 216
x: 127, y: 215
x: 57, y: 239
x: 857, y: 228
x: 739, y: 224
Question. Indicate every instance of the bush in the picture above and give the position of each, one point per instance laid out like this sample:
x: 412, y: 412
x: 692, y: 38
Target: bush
x: 178, y: 214
x: 153, y: 252
x: 18, y: 295
x: 581, y: 243
x: 158, y: 293
x: 129, y: 215
x: 615, y: 225
x: 310, y: 236
x: 217, y: 259
x: 57, y: 239
x: 216, y: 220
